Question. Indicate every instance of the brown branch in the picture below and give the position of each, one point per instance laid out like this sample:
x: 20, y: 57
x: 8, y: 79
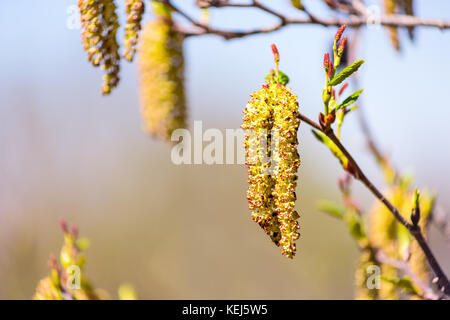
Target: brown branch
x: 442, y: 280
x: 357, y: 18
x: 427, y: 292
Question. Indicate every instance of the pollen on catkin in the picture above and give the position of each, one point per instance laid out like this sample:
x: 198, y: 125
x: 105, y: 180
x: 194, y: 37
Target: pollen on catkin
x: 272, y: 115
x: 134, y: 10
x: 161, y: 76
x: 99, y: 23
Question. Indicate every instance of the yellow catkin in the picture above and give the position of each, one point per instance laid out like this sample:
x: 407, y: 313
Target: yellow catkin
x: 99, y: 23
x: 417, y: 260
x: 134, y: 10
x: 408, y: 8
x: 362, y: 291
x: 390, y: 8
x: 272, y: 115
x: 161, y: 75
x: 383, y: 235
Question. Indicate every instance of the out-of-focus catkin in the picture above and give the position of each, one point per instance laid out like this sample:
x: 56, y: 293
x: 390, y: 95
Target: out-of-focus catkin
x: 417, y: 260
x: 161, y: 77
x: 390, y: 7
x: 383, y: 235
x: 362, y: 290
x: 272, y: 115
x: 134, y: 10
x: 99, y: 24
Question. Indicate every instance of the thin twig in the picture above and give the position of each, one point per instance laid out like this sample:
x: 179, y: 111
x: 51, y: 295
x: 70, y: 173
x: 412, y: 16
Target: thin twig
x: 357, y: 18
x: 442, y: 280
x: 427, y: 292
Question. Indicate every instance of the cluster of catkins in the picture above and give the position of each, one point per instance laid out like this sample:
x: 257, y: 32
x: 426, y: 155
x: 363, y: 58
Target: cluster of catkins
x: 161, y: 62
x: 60, y: 284
x: 271, y: 121
x: 161, y: 77
x: 99, y: 23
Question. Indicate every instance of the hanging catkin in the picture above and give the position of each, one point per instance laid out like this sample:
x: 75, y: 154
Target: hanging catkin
x: 161, y: 73
x: 271, y: 115
x: 99, y: 23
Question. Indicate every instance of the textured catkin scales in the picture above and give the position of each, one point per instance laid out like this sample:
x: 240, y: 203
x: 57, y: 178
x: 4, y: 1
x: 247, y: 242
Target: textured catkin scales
x: 134, y: 10
x: 99, y: 24
x: 161, y: 73
x: 271, y: 116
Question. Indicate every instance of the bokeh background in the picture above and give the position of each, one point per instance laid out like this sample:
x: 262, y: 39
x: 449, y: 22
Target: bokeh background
x: 184, y: 232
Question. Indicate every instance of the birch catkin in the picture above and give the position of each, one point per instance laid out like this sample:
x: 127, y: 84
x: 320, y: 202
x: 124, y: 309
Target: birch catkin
x: 272, y: 115
x: 134, y: 10
x: 161, y: 72
x: 99, y: 24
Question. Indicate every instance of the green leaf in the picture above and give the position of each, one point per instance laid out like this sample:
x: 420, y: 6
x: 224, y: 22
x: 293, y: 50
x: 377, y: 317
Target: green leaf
x: 331, y: 208
x: 333, y: 148
x: 283, y: 78
x: 404, y: 283
x: 347, y: 72
x: 355, y: 227
x: 350, y: 99
x: 82, y: 244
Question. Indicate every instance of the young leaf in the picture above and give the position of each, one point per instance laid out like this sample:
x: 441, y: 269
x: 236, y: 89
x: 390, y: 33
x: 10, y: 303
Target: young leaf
x: 347, y: 72
x: 350, y: 99
x: 333, y: 148
x: 354, y: 225
x: 331, y: 208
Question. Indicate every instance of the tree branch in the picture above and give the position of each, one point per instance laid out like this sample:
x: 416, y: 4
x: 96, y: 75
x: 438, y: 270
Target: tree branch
x: 357, y: 16
x: 442, y: 280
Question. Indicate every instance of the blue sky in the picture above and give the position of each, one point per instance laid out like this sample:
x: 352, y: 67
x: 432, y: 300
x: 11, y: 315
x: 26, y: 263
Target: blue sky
x: 405, y: 94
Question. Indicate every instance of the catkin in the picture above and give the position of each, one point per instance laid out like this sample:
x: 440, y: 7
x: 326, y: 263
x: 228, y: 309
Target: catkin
x: 417, y: 261
x: 362, y: 290
x: 134, y: 10
x: 382, y: 235
x: 272, y: 115
x: 99, y: 24
x: 408, y: 8
x: 161, y: 73
x: 390, y: 7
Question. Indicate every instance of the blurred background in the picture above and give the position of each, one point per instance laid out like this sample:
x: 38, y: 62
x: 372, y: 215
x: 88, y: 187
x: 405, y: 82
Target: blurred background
x: 184, y: 232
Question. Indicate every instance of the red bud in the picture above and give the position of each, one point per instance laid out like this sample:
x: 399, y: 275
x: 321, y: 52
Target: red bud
x: 326, y: 60
x: 344, y: 86
x: 340, y: 32
x: 276, y: 54
x: 342, y: 45
x: 330, y: 69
